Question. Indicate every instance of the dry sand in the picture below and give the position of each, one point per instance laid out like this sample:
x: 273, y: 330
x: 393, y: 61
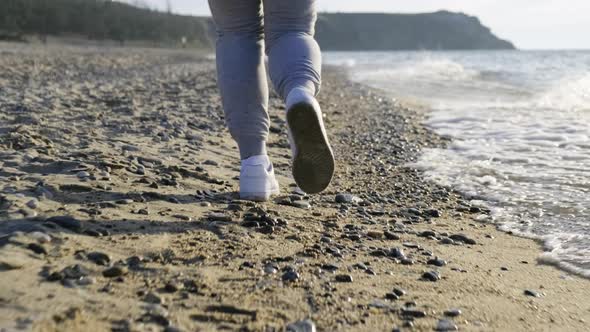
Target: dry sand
x: 118, y: 212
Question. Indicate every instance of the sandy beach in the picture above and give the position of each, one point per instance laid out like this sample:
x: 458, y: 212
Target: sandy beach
x: 118, y: 211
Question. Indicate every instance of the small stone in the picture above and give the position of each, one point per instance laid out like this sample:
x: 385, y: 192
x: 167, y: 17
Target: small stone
x: 532, y: 293
x: 415, y: 313
x: 302, y: 326
x: 437, y: 262
x: 391, y: 236
x: 85, y: 281
x: 99, y: 258
x: 173, y: 287
x: 37, y: 248
x: 375, y: 234
x: 446, y: 325
x: 343, y: 198
x: 219, y: 217
x: 152, y: 297
x: 66, y: 222
x: 83, y: 175
x: 40, y: 237
x: 463, y: 238
x: 431, y: 276
x: 204, y: 204
x: 125, y: 201
x: 399, y: 292
x: 290, y: 276
x: 397, y: 253
x: 452, y: 312
x: 270, y: 269
x: 115, y: 271
x: 392, y: 296
x: 434, y: 213
x: 344, y: 278
x: 427, y: 234
x: 32, y: 204
x: 446, y: 240
x: 76, y: 271
x: 301, y: 204
x: 330, y: 267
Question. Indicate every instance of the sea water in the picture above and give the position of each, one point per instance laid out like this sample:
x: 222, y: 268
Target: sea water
x: 520, y: 128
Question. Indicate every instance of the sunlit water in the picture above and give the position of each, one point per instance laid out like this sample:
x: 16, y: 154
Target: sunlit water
x: 520, y: 123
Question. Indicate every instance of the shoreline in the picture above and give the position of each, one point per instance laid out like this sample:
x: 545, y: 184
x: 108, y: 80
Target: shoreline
x: 138, y: 157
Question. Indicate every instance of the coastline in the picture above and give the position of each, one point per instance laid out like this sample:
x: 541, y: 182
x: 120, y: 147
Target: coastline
x: 138, y: 156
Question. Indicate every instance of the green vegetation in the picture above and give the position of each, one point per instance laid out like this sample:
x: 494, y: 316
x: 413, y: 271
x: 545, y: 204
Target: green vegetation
x: 112, y: 20
x: 98, y: 20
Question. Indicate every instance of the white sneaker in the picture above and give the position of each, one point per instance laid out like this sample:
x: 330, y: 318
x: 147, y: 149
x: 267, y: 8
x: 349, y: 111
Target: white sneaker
x: 313, y: 160
x: 257, y: 179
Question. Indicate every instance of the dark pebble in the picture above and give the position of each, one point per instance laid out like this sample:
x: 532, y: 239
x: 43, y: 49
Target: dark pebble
x: 532, y: 293
x: 431, y: 276
x: 413, y: 313
x: 115, y: 271
x: 392, y: 296
x: 290, y: 276
x: 66, y: 222
x: 99, y: 258
x: 437, y: 262
x: 37, y: 248
x: 399, y: 291
x: 344, y: 278
x: 452, y: 313
x: 463, y: 238
x: 391, y: 236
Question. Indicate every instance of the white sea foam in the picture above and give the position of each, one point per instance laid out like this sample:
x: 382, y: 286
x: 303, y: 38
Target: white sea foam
x: 520, y: 123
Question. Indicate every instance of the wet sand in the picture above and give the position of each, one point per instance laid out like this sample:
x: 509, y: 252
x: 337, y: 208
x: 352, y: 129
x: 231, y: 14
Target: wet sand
x: 118, y: 211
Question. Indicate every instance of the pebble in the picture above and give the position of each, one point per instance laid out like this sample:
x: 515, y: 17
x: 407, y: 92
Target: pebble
x: 173, y: 287
x: 375, y: 234
x: 290, y: 276
x: 99, y: 258
x: 85, y: 281
x: 302, y: 326
x: 437, y: 262
x: 115, y: 271
x: 66, y: 222
x: 83, y: 175
x: 301, y: 204
x: 431, y: 276
x: 532, y: 293
x: 446, y: 240
x: 37, y: 248
x: 152, y: 297
x: 270, y: 269
x: 463, y: 238
x: 344, y: 278
x: 219, y: 217
x: 32, y: 204
x: 446, y: 325
x: 343, y: 198
x: 391, y: 236
x: 76, y: 271
x: 399, y: 292
x: 413, y: 313
x: 453, y: 312
x: 40, y: 237
x: 396, y: 253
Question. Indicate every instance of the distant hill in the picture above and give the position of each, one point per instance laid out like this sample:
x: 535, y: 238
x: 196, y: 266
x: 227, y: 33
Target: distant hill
x: 112, y: 20
x: 99, y: 20
x: 442, y: 30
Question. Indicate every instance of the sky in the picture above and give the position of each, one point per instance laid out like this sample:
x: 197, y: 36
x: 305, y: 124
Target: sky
x: 530, y: 24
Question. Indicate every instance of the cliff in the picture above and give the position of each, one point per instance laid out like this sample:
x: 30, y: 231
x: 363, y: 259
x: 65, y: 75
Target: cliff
x: 431, y: 31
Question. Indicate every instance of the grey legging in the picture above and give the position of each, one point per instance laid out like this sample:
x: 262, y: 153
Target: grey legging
x: 294, y: 60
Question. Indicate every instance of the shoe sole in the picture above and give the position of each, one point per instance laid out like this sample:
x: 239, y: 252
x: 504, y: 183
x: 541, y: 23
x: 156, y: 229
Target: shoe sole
x: 313, y: 162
